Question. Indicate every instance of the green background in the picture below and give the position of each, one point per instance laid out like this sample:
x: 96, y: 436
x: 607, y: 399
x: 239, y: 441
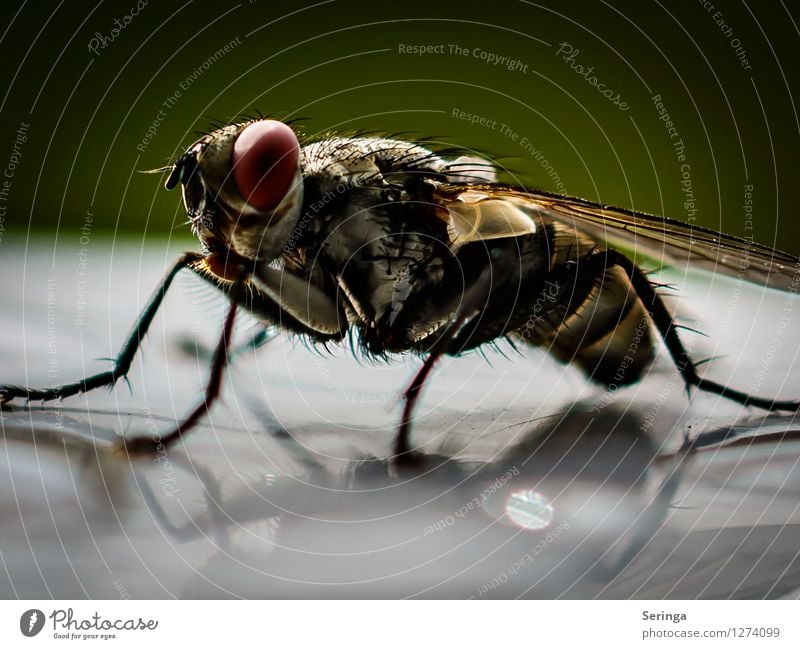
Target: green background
x: 338, y: 65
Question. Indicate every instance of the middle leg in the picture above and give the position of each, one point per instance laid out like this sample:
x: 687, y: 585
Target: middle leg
x: 501, y: 263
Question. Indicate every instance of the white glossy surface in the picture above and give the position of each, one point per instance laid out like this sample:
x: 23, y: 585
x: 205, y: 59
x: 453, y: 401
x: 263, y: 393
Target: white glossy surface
x: 284, y: 491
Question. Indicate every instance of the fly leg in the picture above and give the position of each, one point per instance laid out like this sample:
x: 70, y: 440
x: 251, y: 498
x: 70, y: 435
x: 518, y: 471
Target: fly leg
x: 475, y: 299
x: 122, y: 363
x: 666, y: 327
x: 255, y: 342
x: 144, y: 445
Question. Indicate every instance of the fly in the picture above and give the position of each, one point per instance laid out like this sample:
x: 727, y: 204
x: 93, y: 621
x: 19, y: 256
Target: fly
x: 419, y: 252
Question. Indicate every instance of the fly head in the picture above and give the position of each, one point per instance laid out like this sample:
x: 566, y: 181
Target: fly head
x: 242, y: 189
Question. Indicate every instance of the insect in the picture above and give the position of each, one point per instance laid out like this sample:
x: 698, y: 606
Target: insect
x: 417, y: 251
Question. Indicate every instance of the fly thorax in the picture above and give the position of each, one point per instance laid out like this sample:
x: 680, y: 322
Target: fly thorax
x: 339, y: 163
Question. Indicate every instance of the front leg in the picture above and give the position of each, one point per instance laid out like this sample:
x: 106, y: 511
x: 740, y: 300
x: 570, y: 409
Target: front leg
x: 272, y: 296
x: 122, y: 363
x: 147, y: 446
x: 269, y: 294
x: 298, y: 307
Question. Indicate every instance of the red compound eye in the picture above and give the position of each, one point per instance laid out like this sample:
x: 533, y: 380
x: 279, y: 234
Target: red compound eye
x: 265, y: 157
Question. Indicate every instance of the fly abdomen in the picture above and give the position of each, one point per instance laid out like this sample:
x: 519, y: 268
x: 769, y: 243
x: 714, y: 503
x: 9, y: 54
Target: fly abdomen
x: 622, y: 355
x: 595, y: 321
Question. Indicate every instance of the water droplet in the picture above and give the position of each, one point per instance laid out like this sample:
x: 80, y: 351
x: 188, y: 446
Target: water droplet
x: 529, y: 509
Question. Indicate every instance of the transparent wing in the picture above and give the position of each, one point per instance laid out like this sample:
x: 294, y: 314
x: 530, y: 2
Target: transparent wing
x: 474, y: 213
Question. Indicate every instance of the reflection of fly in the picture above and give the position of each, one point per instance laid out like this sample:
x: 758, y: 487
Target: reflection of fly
x: 419, y: 253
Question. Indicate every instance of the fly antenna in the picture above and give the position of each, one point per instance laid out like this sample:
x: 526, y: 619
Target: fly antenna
x: 160, y: 170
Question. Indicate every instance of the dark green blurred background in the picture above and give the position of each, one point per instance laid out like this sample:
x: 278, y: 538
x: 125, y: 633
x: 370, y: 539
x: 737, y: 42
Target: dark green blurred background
x: 338, y: 65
